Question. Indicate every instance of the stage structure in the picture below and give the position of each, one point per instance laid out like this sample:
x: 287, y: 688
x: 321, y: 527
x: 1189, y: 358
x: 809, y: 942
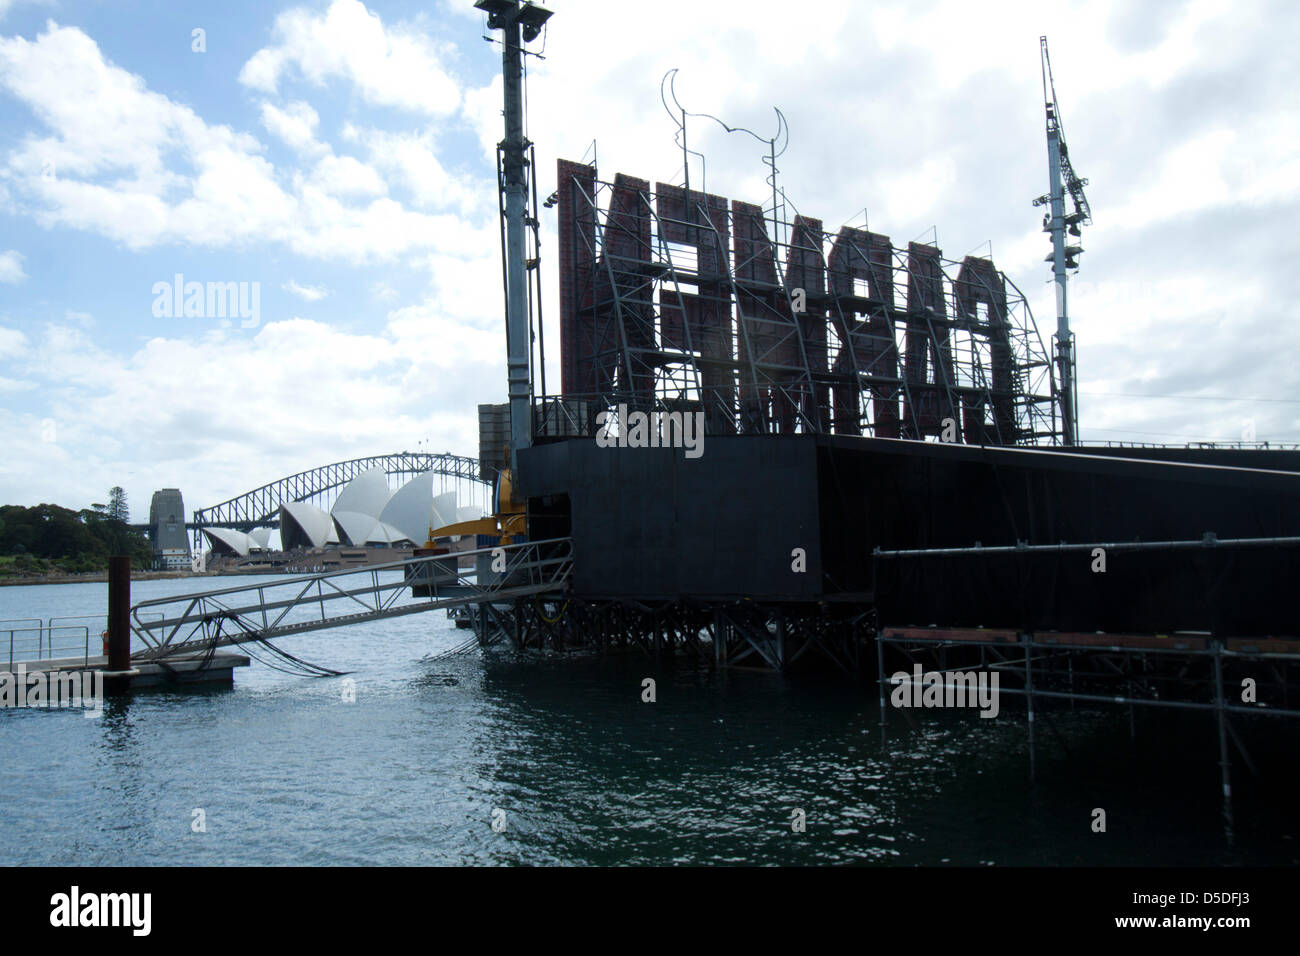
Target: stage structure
x: 679, y: 300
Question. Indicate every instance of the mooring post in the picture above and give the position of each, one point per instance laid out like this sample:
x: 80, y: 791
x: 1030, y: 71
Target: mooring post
x: 119, y: 621
x: 880, y: 681
x: 1224, y: 768
x: 720, y: 637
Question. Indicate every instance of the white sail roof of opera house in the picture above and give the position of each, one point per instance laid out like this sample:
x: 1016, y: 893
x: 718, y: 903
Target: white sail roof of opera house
x: 228, y: 539
x: 353, y: 527
x: 367, y: 512
x: 444, y: 510
x: 385, y: 534
x: 408, y: 511
x: 261, y: 536
x: 359, y: 505
x: 308, y: 522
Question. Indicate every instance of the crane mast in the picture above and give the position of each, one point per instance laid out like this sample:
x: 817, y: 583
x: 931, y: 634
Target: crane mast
x: 1063, y: 227
x: 519, y: 23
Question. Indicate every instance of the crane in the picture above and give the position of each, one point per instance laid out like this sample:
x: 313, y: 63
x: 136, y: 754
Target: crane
x: 1063, y: 227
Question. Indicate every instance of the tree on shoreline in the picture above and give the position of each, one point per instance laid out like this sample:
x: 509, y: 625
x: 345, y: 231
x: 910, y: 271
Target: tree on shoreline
x: 117, y: 507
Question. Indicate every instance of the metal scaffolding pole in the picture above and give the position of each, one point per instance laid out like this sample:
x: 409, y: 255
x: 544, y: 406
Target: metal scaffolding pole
x: 517, y: 23
x: 1225, y: 769
x: 1029, y: 701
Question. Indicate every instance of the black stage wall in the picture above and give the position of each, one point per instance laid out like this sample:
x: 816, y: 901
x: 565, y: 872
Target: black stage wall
x: 900, y: 495
x: 652, y: 524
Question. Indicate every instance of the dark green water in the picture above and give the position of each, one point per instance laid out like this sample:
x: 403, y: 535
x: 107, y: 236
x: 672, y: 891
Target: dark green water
x: 288, y: 772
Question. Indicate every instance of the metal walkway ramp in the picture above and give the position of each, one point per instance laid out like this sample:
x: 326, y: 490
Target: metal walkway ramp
x: 265, y: 610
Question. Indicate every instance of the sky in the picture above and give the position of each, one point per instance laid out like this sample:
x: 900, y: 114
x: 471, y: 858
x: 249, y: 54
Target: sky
x: 333, y: 162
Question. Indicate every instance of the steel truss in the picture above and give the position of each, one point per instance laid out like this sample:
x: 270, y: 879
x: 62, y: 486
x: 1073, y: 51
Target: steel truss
x: 773, y: 636
x: 258, y: 612
x: 682, y: 301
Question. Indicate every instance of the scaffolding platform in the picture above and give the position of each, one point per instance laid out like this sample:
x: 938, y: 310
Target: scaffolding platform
x: 1229, y: 677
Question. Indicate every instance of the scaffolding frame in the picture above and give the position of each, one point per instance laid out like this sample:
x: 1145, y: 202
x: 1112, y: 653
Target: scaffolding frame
x: 679, y: 300
x: 1181, y: 671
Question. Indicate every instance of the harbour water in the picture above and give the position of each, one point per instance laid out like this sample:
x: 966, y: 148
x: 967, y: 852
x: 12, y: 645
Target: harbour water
x: 282, y: 769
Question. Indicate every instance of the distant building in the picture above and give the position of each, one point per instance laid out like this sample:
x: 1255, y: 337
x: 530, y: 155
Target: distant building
x: 171, y: 545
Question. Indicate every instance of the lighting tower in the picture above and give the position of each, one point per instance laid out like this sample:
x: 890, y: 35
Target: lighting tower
x: 513, y: 19
x: 1064, y: 258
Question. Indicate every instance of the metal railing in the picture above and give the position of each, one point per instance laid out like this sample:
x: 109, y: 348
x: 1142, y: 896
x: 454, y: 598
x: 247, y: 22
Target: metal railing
x: 54, y: 639
x: 779, y: 408
x: 296, y: 605
x: 771, y: 409
x: 1208, y: 540
x: 1238, y: 445
x: 40, y: 641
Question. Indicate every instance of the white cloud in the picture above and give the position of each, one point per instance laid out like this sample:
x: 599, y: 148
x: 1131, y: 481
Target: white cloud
x: 1255, y: 162
x: 133, y: 165
x: 239, y: 415
x: 346, y: 176
x: 11, y: 266
x: 11, y: 386
x: 12, y: 342
x: 390, y: 66
x: 295, y: 125
x: 308, y: 292
x: 411, y: 159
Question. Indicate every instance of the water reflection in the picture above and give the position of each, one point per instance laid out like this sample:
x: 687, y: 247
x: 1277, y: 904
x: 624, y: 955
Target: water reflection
x: 409, y: 771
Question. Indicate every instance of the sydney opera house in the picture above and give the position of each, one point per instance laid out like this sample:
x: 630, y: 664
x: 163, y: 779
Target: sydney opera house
x: 366, y: 514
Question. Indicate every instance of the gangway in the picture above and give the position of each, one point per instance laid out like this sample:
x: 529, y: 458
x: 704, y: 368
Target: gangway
x: 258, y: 612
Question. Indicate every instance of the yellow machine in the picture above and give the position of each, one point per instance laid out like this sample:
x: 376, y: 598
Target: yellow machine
x: 509, y: 518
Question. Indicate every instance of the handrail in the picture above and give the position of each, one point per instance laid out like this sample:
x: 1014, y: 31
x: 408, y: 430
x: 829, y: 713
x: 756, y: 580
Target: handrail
x: 47, y: 631
x: 256, y: 611
x: 45, y: 638
x: 341, y: 572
